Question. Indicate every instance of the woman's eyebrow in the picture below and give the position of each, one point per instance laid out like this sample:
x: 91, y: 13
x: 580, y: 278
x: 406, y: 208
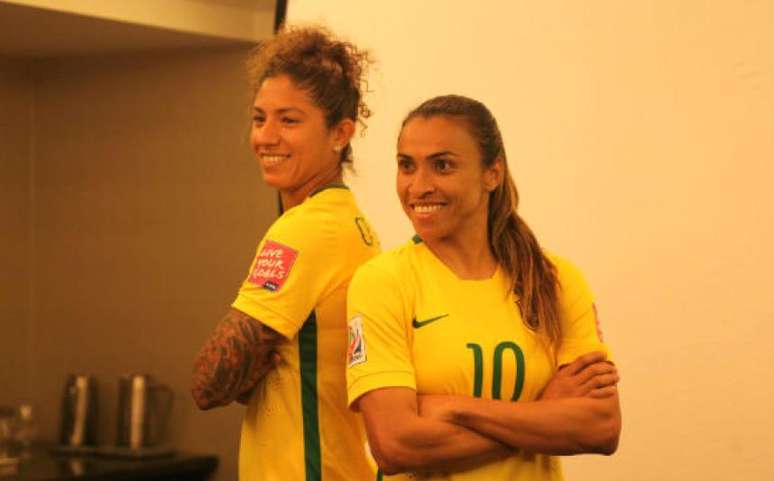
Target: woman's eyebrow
x: 443, y: 153
x: 283, y: 110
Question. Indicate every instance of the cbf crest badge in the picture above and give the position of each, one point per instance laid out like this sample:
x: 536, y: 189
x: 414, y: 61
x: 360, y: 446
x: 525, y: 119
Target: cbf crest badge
x: 356, y: 352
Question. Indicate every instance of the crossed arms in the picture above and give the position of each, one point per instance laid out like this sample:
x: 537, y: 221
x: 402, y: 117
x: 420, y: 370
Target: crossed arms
x: 578, y: 412
x: 233, y: 359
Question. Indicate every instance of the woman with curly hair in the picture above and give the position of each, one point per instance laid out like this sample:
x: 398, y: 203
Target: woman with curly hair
x: 280, y: 348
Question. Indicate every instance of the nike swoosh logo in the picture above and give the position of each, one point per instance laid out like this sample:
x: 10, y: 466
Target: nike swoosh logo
x: 417, y: 324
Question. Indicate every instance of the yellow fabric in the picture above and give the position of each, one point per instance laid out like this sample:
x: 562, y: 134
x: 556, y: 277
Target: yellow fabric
x: 326, y: 238
x: 460, y: 321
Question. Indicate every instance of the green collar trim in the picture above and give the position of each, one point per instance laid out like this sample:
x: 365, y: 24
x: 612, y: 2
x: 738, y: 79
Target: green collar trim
x: 416, y: 239
x: 337, y: 185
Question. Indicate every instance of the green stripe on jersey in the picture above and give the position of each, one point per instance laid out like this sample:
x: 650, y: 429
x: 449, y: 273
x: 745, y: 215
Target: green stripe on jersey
x: 307, y: 349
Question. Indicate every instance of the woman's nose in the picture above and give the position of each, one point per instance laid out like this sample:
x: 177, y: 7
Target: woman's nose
x: 421, y: 182
x: 265, y: 133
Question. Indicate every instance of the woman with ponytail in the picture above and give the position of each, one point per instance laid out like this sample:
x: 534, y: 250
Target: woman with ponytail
x: 474, y: 354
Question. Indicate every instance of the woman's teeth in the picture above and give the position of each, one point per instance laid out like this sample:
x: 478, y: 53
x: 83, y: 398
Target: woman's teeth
x: 426, y: 209
x: 270, y: 160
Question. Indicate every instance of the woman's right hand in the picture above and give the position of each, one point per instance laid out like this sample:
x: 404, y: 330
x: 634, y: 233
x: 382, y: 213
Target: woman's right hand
x: 271, y: 362
x: 590, y: 375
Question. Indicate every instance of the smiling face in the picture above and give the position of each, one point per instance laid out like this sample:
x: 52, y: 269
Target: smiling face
x: 442, y: 184
x: 297, y: 152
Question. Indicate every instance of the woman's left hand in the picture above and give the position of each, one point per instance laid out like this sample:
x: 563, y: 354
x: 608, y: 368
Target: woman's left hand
x: 590, y: 375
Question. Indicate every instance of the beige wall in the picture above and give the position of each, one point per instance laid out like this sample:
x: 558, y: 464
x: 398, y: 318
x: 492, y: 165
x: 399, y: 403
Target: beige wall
x: 641, y: 135
x: 16, y: 97
x: 148, y: 207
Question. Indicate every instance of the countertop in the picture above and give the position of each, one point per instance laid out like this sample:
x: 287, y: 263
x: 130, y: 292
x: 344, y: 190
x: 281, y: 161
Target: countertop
x: 41, y: 464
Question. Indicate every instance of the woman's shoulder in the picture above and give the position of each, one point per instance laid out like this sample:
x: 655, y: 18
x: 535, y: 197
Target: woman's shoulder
x: 313, y: 220
x: 395, y: 262
x: 386, y: 276
x: 571, y: 279
x: 565, y: 268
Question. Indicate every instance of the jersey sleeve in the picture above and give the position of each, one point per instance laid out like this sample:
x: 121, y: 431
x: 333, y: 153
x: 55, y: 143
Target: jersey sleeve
x: 378, y: 353
x: 580, y: 327
x: 294, y: 266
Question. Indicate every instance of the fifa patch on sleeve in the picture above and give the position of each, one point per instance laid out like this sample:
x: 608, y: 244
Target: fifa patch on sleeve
x: 356, y: 350
x: 272, y: 265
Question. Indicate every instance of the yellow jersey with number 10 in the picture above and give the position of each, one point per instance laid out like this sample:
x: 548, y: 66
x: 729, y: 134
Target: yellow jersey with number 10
x: 413, y: 323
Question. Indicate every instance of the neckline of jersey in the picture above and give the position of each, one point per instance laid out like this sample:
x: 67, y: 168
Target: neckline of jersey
x: 335, y: 185
x: 327, y: 187
x: 495, y: 278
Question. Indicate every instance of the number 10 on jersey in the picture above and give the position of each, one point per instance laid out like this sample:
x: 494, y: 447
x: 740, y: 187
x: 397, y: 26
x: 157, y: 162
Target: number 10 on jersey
x: 497, y: 368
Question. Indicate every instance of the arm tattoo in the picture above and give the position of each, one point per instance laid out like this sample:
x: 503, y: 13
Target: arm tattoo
x: 232, y: 361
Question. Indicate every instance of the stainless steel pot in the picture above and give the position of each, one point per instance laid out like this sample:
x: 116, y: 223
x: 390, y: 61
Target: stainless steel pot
x: 144, y: 407
x: 79, y: 411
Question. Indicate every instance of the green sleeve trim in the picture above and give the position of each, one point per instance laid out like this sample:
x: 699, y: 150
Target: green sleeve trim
x: 307, y: 350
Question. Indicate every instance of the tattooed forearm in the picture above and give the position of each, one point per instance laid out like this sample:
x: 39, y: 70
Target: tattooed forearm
x: 235, y: 357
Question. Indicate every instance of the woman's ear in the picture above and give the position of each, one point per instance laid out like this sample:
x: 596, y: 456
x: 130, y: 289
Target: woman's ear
x: 342, y: 134
x: 493, y: 175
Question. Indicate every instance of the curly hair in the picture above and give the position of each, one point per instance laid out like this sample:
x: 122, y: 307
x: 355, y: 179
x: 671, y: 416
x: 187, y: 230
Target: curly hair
x: 332, y: 71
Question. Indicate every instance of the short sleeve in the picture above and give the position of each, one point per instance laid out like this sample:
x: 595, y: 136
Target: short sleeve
x: 378, y: 353
x: 293, y: 268
x: 580, y: 329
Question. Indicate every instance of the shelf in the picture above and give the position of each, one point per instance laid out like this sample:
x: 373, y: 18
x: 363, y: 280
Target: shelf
x: 52, y: 28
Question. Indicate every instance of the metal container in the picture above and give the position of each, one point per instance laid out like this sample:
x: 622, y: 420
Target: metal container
x: 79, y: 411
x: 143, y: 409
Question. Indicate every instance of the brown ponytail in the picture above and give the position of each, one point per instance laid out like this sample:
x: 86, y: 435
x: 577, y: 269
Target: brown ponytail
x: 533, y: 276
x: 514, y: 246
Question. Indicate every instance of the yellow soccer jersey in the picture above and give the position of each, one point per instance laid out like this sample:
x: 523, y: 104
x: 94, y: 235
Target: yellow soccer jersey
x: 297, y: 426
x: 413, y: 323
